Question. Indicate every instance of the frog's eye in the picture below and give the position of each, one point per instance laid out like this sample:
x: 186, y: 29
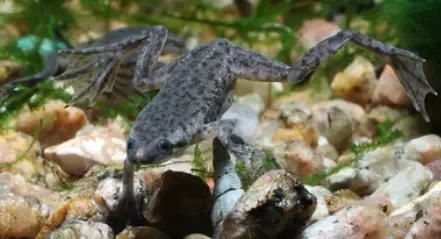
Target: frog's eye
x: 164, y: 145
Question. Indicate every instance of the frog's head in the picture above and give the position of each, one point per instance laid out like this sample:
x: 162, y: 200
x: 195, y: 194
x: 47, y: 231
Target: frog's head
x: 153, y: 150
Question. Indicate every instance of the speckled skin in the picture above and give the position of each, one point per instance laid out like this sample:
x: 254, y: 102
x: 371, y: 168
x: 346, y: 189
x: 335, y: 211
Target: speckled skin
x: 196, y: 89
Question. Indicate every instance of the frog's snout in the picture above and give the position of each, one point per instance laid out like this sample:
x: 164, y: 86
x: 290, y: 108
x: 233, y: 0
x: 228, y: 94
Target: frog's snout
x: 135, y: 155
x: 139, y: 156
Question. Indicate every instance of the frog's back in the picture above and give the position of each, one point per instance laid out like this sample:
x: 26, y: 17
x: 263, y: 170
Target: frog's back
x: 196, y: 87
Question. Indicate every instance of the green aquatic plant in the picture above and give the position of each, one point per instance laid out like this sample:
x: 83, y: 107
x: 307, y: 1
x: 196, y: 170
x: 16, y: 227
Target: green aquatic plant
x: 386, y: 135
x: 33, y: 98
x: 198, y: 163
x: 259, y: 166
x: 35, y: 137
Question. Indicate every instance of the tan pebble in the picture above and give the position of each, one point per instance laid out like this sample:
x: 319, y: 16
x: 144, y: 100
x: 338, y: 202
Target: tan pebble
x: 305, y: 96
x: 366, y: 128
x: 411, y: 127
x: 346, y: 157
x: 382, y: 113
x: 57, y: 123
x: 315, y: 30
x: 296, y: 113
x: 142, y: 232
x: 356, y: 83
x: 341, y: 199
x: 336, y: 128
x: 270, y: 114
x: 300, y: 158
x: 77, y: 155
x: 9, y: 70
x: 81, y: 208
x: 18, y: 185
x: 327, y: 151
x: 196, y: 236
x: 13, y: 144
x: 321, y: 110
x: 17, y: 219
x: 305, y: 133
x: 389, y: 90
x: 381, y: 202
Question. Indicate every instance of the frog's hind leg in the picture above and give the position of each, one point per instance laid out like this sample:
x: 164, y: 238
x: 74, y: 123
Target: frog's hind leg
x: 52, y: 65
x: 152, y: 41
x: 225, y: 130
x: 408, y: 66
x: 90, y: 76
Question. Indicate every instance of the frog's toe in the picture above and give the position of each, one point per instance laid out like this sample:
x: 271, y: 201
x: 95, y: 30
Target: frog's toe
x: 409, y: 69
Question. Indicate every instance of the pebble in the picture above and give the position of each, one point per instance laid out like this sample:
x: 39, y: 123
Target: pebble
x: 299, y: 158
x: 382, y: 113
x: 420, y: 203
x: 21, y: 217
x: 58, y: 123
x: 411, y: 127
x: 373, y: 169
x: 296, y: 112
x: 353, y: 221
x: 15, y: 144
x: 326, y: 150
x: 112, y: 129
x: 246, y: 87
x: 183, y: 163
x: 341, y: 199
x: 314, y: 31
x: 397, y: 226
x: 82, y: 229
x: 320, y: 110
x: 178, y: 204
x: 142, y: 232
x: 424, y: 149
x: 196, y: 236
x: 20, y: 155
x: 336, y: 128
x: 435, y: 168
x: 267, y: 129
x: 406, y: 185
x: 305, y: 133
x: 429, y: 226
x: 402, y: 219
x: 8, y: 70
x: 306, y: 96
x: 16, y: 185
x: 254, y: 101
x: 321, y: 210
x: 390, y: 90
x: 77, y: 155
x: 248, y: 121
x: 356, y: 83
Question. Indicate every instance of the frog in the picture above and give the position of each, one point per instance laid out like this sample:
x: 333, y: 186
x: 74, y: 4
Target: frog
x: 56, y: 64
x: 196, y: 89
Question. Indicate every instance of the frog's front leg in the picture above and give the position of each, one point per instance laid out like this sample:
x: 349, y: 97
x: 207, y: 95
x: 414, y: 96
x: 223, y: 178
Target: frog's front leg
x: 128, y: 203
x: 224, y: 130
x: 408, y: 66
